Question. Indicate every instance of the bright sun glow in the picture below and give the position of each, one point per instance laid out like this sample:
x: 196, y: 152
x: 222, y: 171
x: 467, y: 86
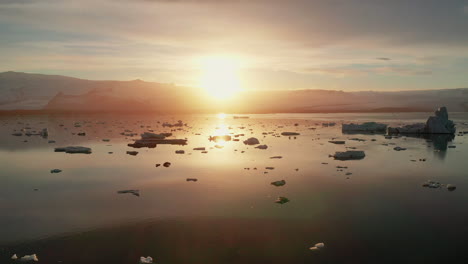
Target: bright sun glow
x: 220, y: 77
x: 221, y: 116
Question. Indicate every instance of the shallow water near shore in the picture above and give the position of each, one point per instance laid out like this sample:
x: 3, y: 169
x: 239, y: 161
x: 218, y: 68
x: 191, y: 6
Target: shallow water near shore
x: 380, y: 213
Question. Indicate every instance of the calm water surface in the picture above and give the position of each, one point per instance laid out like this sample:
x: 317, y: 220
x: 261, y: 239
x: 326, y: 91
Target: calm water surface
x: 378, y: 214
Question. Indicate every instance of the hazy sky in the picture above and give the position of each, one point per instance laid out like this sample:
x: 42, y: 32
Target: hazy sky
x: 281, y: 44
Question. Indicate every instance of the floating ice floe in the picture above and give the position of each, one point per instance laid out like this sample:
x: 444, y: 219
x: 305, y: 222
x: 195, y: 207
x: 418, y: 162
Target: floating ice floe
x: 451, y: 187
x: 278, y: 183
x: 149, y: 135
x: 338, y: 142
x: 328, y: 124
x: 134, y: 192
x: 317, y: 246
x: 282, y: 200
x: 251, y: 141
x: 14, y: 257
x: 437, y: 185
x: 349, y: 155
x: 178, y: 124
x: 32, y: 257
x: 399, y: 148
x: 146, y: 260
x: 290, y: 134
x: 201, y: 148
x: 150, y: 140
x: 368, y: 127
x: 44, y: 133
x: 74, y: 150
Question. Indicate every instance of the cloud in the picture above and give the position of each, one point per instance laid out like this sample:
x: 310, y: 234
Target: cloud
x: 365, y: 70
x: 337, y: 72
x: 402, y: 71
x: 151, y: 35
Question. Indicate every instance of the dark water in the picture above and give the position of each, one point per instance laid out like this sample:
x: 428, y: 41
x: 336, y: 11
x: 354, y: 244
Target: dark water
x: 378, y: 214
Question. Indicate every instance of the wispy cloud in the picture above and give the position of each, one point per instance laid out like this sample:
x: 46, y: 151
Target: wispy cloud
x: 151, y: 35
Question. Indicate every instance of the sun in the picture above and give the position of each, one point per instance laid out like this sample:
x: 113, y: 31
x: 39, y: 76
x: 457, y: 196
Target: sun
x: 220, y: 76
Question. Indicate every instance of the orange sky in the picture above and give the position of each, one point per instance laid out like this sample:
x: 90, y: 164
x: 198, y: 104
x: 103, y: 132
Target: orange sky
x: 297, y: 44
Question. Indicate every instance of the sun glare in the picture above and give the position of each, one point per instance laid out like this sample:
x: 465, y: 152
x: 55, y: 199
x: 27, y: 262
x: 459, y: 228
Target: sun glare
x: 221, y: 116
x: 220, y: 77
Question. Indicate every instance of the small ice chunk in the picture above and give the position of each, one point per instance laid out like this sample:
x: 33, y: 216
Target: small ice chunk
x: 338, y: 142
x: 200, y: 148
x: 134, y: 192
x: 317, y: 246
x: 349, y: 155
x: 146, y: 260
x: 282, y: 200
x: 278, y: 183
x: 399, y: 148
x: 74, y: 149
x: 251, y: 141
x: 44, y: 133
x: 14, y: 257
x: 290, y: 134
x: 32, y: 257
x: 276, y: 157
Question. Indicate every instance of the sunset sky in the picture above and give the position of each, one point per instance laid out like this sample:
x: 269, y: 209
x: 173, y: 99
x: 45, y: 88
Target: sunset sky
x: 276, y: 44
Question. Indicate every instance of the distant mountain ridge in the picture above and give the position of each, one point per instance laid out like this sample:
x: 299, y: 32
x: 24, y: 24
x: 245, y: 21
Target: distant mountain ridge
x: 55, y: 93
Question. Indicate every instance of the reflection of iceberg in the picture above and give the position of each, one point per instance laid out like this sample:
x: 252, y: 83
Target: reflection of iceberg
x: 438, y: 124
x: 438, y: 141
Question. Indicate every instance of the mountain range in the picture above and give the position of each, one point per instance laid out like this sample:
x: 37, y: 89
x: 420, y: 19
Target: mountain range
x: 53, y: 93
